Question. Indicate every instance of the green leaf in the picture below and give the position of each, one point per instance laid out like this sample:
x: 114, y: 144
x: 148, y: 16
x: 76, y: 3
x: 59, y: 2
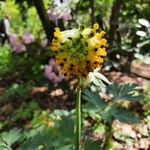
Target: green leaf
x: 67, y: 127
x: 114, y: 111
x: 123, y: 92
x: 114, y: 89
x: 61, y: 112
x: 44, y: 137
x: 92, y: 145
x: 54, y: 138
x: 125, y: 115
x: 91, y: 107
x: 107, y: 114
x: 66, y: 147
x: 7, y: 139
x: 94, y: 98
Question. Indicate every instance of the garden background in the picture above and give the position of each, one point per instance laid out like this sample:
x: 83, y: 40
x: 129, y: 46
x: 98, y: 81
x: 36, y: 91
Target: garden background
x: 37, y: 103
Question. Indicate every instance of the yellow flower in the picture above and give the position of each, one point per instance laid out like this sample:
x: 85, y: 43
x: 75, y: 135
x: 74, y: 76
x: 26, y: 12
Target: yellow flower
x: 57, y: 33
x: 79, y: 51
x: 95, y: 27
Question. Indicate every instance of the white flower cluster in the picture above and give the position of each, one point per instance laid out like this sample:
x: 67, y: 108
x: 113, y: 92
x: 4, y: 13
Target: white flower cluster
x: 61, y: 9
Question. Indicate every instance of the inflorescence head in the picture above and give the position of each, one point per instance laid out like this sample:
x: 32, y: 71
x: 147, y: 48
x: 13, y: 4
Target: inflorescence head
x: 79, y: 51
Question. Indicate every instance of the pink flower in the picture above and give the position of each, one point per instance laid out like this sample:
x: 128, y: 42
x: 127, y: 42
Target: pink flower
x: 56, y: 13
x: 28, y: 38
x: 57, y: 79
x: 44, y: 43
x: 52, y: 62
x: 19, y: 47
x: 66, y: 16
x: 51, y: 72
x: 47, y: 71
x: 52, y: 15
x: 12, y: 39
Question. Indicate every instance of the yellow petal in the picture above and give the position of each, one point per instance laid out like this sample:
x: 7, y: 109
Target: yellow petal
x: 57, y: 32
x: 103, y: 42
x: 101, y: 52
x: 95, y: 26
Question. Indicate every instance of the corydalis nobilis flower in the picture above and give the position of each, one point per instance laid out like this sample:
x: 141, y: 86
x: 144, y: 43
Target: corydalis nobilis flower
x: 19, y: 45
x: 79, y: 51
x: 51, y: 72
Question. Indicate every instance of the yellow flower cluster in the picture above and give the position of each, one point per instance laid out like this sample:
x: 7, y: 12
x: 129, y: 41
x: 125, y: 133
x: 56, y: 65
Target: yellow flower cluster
x: 79, y: 51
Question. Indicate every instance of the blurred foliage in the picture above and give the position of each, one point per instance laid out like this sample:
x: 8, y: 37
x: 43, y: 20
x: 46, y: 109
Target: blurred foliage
x: 7, y: 139
x: 9, y: 8
x: 113, y: 110
x: 21, y: 72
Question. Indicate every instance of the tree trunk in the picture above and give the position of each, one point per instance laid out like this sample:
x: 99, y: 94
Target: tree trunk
x: 92, y: 11
x: 114, y: 18
x: 47, y: 24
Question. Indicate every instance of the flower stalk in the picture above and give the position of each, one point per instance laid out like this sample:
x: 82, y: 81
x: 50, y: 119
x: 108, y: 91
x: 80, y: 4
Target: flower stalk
x: 78, y: 116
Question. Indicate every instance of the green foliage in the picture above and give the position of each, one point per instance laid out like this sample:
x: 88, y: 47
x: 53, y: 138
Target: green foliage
x: 21, y: 72
x: 128, y: 45
x: 146, y: 102
x: 125, y: 115
x: 9, y: 8
x: 91, y: 144
x: 56, y: 137
x: 123, y: 92
x: 113, y: 110
x: 142, y: 46
x: 25, y: 111
x: 17, y: 90
x: 95, y: 99
x: 33, y: 27
x: 50, y: 131
x: 5, y: 57
x: 106, y: 10
x: 67, y: 126
x: 40, y: 139
x: 7, y: 139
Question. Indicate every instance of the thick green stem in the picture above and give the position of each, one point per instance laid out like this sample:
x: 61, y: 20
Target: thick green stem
x: 78, y: 115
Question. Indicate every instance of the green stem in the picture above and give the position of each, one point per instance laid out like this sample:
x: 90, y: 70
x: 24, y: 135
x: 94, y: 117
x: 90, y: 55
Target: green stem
x: 78, y: 115
x: 109, y: 138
